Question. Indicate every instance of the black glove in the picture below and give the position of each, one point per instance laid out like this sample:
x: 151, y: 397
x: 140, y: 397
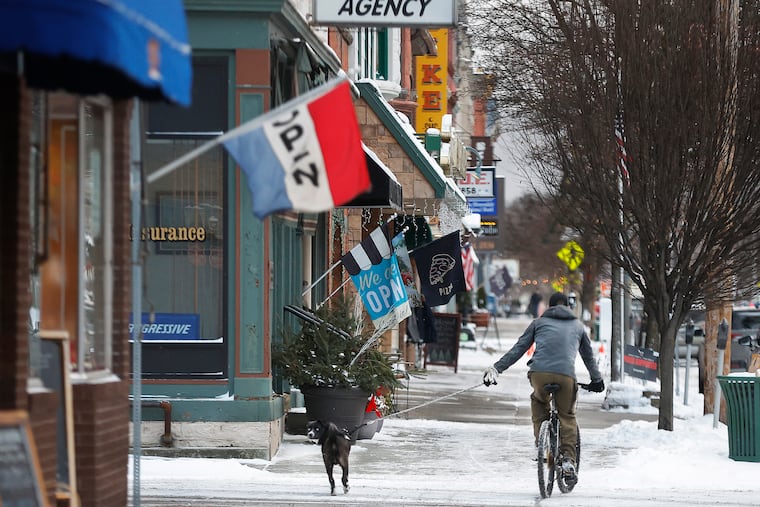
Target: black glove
x: 596, y: 386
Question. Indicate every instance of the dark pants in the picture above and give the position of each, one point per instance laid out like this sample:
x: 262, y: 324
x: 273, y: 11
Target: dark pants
x: 565, y: 400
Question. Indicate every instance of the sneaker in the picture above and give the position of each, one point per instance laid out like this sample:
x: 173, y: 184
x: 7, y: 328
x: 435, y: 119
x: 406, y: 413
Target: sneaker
x: 568, y: 471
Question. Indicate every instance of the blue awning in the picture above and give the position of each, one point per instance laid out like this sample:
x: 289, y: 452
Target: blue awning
x: 121, y: 48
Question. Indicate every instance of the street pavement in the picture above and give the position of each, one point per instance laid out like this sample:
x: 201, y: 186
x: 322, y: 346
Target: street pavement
x: 492, y: 405
x: 431, y: 435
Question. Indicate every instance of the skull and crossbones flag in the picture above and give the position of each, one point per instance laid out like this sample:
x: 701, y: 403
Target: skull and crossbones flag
x: 439, y: 265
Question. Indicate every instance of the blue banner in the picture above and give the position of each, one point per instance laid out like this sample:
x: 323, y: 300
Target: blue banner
x: 383, y: 293
x: 169, y: 326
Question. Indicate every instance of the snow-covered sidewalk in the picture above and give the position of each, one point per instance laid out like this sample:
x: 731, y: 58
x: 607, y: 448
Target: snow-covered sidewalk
x: 431, y: 462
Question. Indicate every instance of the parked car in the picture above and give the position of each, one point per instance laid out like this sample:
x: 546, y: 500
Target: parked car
x: 744, y: 322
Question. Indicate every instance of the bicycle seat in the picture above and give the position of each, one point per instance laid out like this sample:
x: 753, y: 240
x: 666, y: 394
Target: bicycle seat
x: 551, y: 388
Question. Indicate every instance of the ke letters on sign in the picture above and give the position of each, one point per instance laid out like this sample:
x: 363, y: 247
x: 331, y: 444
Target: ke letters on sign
x: 431, y: 82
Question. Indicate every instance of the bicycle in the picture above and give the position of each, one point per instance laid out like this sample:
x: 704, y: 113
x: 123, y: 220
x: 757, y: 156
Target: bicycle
x: 549, y: 450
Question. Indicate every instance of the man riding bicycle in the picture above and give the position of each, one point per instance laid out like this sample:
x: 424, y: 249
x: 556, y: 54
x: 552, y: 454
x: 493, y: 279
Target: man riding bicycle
x: 558, y: 336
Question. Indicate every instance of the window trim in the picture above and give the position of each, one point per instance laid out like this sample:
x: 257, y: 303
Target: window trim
x: 107, y: 217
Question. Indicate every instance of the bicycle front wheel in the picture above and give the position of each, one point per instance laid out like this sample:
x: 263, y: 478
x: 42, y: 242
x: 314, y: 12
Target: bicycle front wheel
x: 546, y: 455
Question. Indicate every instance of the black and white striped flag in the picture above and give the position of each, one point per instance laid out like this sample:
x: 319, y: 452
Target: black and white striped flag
x: 374, y: 269
x: 371, y: 251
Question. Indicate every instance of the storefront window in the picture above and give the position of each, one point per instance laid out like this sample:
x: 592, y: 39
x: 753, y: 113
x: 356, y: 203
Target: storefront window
x: 95, y: 247
x: 37, y: 217
x: 75, y: 229
x: 183, y: 233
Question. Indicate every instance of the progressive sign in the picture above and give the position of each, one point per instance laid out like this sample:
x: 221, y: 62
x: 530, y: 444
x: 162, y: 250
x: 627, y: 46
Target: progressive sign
x: 427, y: 13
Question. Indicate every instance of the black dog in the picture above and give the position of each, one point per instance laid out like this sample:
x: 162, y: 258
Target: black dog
x: 336, y: 445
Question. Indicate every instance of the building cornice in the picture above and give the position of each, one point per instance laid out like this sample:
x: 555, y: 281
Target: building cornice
x: 281, y: 11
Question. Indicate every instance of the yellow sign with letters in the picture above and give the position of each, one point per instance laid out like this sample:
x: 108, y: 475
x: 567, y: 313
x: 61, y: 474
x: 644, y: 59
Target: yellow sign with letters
x: 432, y: 84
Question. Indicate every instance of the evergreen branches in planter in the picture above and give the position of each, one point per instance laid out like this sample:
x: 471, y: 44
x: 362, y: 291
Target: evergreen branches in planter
x: 319, y: 354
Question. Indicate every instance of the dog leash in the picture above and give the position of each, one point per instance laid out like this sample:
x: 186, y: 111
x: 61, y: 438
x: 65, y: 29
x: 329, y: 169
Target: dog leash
x: 435, y: 400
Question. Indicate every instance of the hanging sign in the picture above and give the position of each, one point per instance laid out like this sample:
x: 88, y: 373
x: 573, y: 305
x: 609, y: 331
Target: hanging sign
x: 432, y: 84
x: 478, y: 186
x: 426, y: 13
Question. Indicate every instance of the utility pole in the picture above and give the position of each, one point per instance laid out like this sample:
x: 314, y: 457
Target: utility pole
x: 616, y: 343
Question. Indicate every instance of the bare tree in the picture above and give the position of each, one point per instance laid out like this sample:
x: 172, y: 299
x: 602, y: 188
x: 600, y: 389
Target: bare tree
x: 684, y: 78
x: 535, y: 233
x: 534, y: 237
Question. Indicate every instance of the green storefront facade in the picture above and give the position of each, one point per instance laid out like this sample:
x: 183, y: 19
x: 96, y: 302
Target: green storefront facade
x: 226, y: 292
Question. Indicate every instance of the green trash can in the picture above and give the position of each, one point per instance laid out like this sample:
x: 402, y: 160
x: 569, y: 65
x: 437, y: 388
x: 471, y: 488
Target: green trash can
x: 742, y: 395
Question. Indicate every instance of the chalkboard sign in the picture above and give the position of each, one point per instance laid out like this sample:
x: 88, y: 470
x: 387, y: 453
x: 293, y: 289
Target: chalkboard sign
x: 54, y: 373
x: 446, y: 350
x: 20, y: 474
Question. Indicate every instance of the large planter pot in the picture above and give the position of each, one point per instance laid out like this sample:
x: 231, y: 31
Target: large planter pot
x: 372, y: 424
x: 341, y: 405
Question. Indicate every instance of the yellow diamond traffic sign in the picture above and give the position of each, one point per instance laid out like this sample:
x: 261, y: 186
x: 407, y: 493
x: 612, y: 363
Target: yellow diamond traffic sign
x: 571, y: 254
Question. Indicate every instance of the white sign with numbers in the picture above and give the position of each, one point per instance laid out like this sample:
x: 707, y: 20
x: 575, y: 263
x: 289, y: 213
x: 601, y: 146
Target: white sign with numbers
x: 474, y: 186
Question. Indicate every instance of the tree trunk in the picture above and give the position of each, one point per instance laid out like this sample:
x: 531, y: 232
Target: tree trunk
x: 667, y: 355
x: 716, y: 311
x: 653, y: 334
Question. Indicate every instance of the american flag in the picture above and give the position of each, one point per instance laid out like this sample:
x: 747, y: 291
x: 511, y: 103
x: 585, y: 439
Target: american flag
x: 622, y: 157
x: 468, y: 266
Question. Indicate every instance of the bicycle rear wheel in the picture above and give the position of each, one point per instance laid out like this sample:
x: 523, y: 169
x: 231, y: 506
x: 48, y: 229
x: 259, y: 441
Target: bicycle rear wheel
x: 546, y: 455
x: 565, y: 486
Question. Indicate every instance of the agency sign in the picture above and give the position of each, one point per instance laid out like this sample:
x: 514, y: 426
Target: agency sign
x: 428, y: 13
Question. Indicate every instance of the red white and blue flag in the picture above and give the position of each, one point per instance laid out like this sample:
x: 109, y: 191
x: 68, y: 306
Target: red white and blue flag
x: 469, y: 259
x: 305, y: 155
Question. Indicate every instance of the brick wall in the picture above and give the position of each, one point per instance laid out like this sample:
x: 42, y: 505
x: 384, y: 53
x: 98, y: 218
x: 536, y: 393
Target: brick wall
x: 339, y: 39
x: 101, y: 433
x: 122, y: 262
x: 43, y: 408
x: 380, y: 140
x: 14, y: 243
x: 101, y: 415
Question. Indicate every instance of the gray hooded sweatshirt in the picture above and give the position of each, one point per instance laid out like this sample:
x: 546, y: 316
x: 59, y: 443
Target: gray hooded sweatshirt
x: 558, y: 336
